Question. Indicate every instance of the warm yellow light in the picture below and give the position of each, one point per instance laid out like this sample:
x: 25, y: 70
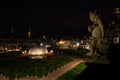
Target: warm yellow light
x: 38, y: 51
x: 62, y: 42
x: 117, y: 11
x: 29, y: 34
x: 51, y: 51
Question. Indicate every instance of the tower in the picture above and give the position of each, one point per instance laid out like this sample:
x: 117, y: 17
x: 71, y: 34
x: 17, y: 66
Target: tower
x: 12, y: 33
x: 29, y: 32
x: 12, y: 30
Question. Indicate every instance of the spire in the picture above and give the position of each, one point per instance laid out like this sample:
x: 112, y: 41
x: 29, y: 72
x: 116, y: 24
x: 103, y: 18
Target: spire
x: 12, y: 30
x: 29, y: 31
x: 12, y: 34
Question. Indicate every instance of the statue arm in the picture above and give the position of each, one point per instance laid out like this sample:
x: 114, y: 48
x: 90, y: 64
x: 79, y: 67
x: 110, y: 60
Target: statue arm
x: 90, y: 28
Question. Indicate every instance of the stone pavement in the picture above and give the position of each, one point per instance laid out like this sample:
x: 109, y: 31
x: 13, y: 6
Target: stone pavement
x: 2, y: 77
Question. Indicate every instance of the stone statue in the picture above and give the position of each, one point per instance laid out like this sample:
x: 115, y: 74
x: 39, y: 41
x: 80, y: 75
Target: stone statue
x: 97, y: 33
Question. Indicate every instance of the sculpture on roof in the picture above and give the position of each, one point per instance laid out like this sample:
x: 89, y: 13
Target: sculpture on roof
x: 97, y: 38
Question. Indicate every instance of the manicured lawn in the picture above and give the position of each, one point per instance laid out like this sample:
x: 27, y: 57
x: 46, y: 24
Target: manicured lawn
x: 72, y: 74
x: 38, y: 67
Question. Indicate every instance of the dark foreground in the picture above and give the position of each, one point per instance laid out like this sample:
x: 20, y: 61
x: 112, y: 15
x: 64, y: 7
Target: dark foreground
x: 96, y: 71
x: 111, y: 71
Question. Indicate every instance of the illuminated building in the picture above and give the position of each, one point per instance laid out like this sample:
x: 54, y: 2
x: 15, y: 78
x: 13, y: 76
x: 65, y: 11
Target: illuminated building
x: 113, y: 31
x: 64, y: 44
x: 37, y: 52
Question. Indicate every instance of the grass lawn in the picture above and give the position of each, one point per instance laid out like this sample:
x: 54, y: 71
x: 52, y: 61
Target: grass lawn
x: 72, y: 74
x: 38, y: 67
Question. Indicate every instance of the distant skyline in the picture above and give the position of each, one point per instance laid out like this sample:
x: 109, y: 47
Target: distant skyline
x: 52, y: 18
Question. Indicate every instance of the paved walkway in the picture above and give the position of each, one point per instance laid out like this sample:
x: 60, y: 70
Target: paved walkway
x: 2, y: 77
x: 56, y: 74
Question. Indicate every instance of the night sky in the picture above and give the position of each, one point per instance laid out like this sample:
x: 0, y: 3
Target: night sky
x: 54, y: 18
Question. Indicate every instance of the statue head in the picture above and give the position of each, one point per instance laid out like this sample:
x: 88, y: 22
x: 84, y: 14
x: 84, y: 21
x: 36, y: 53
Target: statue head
x: 94, y: 15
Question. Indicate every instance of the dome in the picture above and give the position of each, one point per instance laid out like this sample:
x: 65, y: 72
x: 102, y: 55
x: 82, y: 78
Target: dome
x: 38, y: 51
